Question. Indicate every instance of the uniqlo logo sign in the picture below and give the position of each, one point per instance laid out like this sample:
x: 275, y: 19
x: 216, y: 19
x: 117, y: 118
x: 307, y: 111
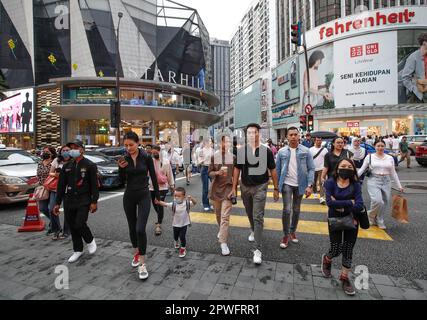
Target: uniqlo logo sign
x: 356, y: 51
x: 370, y: 49
x: 373, y: 48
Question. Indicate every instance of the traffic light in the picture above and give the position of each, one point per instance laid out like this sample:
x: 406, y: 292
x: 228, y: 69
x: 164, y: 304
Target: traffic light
x: 303, y: 122
x: 310, y: 123
x: 296, y: 34
x: 115, y: 114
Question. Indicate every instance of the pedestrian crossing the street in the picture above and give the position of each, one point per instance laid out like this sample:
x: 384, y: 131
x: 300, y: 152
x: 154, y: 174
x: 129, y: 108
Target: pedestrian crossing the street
x: 310, y: 207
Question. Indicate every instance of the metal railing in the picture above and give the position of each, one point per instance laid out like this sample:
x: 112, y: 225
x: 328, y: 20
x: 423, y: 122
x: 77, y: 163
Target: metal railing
x: 139, y: 104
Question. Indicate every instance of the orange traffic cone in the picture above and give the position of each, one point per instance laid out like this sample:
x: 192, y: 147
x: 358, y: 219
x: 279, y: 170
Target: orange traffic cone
x: 32, y: 222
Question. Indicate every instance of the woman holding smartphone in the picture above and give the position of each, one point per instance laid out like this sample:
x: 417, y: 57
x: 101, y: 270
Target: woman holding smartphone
x: 135, y: 169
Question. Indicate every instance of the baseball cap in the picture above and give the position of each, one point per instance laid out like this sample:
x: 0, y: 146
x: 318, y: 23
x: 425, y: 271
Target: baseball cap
x: 77, y: 143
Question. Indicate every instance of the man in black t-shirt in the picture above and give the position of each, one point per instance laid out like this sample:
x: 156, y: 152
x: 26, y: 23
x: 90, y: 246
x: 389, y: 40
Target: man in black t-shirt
x: 254, y: 163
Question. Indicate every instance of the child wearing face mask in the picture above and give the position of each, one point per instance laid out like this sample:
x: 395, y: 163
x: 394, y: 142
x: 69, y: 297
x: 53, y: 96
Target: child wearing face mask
x: 180, y: 207
x: 344, y: 199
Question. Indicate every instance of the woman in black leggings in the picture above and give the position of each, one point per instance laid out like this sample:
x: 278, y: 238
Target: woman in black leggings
x: 135, y: 169
x: 344, y: 199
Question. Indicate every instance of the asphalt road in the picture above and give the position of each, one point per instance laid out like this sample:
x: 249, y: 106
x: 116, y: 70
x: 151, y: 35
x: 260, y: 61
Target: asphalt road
x: 405, y: 256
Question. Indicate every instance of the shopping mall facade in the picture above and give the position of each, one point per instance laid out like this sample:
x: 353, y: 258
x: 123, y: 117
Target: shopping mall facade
x: 58, y: 63
x: 364, y: 69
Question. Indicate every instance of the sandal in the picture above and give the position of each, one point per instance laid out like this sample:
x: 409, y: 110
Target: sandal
x: 158, y: 230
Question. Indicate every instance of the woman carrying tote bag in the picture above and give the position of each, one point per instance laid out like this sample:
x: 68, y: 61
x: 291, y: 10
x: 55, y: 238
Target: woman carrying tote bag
x: 346, y: 213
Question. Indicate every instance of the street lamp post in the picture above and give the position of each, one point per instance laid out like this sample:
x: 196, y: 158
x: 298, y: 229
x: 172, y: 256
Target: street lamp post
x: 118, y: 105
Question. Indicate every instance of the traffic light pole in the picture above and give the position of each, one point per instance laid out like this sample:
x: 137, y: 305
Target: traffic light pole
x: 308, y: 73
x: 118, y: 105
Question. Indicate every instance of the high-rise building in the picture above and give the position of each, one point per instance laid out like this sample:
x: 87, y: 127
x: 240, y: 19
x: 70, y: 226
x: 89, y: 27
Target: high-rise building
x: 64, y: 53
x: 220, y: 50
x: 317, y: 12
x: 253, y: 55
x: 253, y: 45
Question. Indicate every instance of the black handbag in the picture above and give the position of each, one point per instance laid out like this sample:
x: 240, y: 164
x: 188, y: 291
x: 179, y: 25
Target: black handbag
x: 363, y: 219
x: 342, y: 223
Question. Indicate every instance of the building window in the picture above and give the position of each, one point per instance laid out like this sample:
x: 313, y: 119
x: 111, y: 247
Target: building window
x: 327, y: 10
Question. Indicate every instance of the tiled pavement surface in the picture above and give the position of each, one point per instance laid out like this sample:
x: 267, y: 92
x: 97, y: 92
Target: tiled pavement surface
x: 28, y: 262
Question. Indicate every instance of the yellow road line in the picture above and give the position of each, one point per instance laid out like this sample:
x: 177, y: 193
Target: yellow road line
x: 308, y: 227
x: 278, y: 206
x: 271, y: 195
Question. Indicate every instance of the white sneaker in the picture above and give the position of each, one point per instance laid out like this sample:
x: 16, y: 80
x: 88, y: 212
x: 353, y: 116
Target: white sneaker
x: 257, y: 257
x: 382, y: 226
x: 76, y: 256
x: 251, y: 237
x: 142, y: 272
x: 322, y: 201
x: 91, y: 247
x: 206, y: 209
x: 225, y: 250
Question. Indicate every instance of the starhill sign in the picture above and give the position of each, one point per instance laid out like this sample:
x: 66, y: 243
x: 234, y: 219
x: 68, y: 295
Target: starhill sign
x: 366, y: 22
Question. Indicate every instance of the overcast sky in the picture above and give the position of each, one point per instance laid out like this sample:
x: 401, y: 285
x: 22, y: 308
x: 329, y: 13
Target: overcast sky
x: 221, y: 17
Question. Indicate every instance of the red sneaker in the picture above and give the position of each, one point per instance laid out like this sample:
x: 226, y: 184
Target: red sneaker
x: 135, y: 260
x: 285, y: 242
x: 182, y: 252
x: 294, y: 238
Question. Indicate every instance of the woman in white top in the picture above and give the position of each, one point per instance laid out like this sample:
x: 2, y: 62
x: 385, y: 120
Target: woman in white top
x: 165, y: 180
x: 382, y: 171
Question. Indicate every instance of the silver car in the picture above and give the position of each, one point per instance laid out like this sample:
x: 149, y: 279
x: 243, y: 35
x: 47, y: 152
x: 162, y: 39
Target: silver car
x: 18, y: 175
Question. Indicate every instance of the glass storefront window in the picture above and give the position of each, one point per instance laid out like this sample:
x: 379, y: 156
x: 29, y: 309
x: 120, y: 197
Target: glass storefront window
x: 83, y: 95
x: 21, y: 141
x: 401, y: 126
x: 166, y: 99
x: 136, y: 97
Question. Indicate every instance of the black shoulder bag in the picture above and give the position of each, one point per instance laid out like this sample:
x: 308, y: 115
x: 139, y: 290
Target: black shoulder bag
x: 342, y: 223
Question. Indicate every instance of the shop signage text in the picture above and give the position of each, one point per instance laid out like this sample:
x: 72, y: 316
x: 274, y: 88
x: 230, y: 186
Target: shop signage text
x: 376, y: 20
x: 353, y: 124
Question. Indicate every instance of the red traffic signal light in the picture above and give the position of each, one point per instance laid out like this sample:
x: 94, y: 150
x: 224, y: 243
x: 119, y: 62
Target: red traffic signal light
x: 303, y: 123
x: 296, y: 34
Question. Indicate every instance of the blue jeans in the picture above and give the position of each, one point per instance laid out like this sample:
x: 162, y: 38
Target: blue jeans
x: 54, y: 220
x: 291, y: 204
x: 205, y: 184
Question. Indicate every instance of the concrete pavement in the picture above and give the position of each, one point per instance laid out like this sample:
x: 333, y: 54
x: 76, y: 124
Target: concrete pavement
x: 28, y: 263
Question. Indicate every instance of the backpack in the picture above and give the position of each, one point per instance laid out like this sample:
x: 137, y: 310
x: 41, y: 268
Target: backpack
x: 161, y: 177
x: 188, y: 208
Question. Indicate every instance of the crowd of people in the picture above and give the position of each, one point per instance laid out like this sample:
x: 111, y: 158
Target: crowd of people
x: 299, y: 168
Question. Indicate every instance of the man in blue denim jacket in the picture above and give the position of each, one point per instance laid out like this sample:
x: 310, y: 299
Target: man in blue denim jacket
x: 295, y: 169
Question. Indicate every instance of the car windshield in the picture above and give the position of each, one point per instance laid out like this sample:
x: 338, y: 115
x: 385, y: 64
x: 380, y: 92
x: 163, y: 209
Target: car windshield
x: 97, y: 158
x: 10, y: 158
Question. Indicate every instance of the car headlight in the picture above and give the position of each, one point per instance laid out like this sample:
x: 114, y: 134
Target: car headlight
x: 11, y: 180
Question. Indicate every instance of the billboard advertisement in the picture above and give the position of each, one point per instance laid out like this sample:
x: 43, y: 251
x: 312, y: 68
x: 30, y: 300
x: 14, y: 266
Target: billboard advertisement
x: 247, y: 107
x: 366, y: 72
x: 16, y: 112
x: 321, y: 73
x: 384, y: 68
x: 285, y: 82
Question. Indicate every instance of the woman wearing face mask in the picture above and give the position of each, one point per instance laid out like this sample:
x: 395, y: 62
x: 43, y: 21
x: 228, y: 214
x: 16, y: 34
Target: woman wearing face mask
x: 135, y: 168
x: 43, y: 170
x: 337, y: 153
x: 359, y: 153
x: 382, y: 172
x: 55, y: 170
x: 344, y: 198
x: 165, y: 180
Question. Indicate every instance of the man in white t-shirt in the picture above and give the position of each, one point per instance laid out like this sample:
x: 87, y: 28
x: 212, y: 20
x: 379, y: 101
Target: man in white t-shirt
x: 395, y: 145
x: 295, y: 170
x: 318, y: 152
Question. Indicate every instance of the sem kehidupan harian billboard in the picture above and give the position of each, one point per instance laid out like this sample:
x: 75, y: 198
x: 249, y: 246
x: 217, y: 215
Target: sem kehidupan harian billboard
x: 374, y: 58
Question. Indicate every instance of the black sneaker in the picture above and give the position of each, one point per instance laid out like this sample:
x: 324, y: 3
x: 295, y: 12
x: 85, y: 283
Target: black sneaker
x: 326, y: 267
x: 347, y: 286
